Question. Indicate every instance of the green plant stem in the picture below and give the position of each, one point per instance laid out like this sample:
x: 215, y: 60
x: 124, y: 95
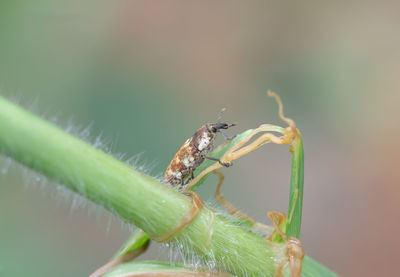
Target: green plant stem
x: 137, y: 198
x: 296, y: 189
x: 134, y: 196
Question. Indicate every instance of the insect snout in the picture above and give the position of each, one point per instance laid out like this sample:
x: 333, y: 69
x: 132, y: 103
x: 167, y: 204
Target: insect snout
x: 218, y: 126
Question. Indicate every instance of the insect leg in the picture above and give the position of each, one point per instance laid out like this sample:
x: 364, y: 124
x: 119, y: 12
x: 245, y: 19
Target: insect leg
x: 191, y: 177
x: 226, y: 136
x: 226, y: 164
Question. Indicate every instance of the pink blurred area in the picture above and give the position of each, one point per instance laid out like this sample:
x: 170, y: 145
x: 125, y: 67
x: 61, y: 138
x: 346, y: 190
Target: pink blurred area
x: 335, y: 65
x: 224, y: 52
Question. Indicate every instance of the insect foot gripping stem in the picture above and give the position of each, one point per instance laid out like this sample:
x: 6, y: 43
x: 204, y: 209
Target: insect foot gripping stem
x: 295, y: 252
x: 186, y: 219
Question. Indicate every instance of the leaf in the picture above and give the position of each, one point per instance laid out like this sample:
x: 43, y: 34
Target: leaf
x: 136, y: 241
x: 296, y: 189
x: 133, y: 247
x: 312, y: 268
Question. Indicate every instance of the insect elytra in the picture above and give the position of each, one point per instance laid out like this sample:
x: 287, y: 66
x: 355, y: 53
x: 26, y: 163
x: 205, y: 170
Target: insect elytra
x: 192, y: 153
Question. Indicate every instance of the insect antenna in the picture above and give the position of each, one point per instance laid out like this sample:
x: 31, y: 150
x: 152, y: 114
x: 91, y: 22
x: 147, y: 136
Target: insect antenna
x: 220, y: 114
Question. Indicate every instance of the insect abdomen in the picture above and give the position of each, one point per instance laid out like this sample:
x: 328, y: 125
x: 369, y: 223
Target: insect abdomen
x: 180, y: 166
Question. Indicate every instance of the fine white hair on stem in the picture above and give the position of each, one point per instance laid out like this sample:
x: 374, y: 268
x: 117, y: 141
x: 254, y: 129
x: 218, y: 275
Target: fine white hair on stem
x: 15, y: 98
x: 64, y: 197
x: 61, y: 194
x: 181, y: 250
x: 84, y: 132
x: 182, y: 246
x: 139, y: 162
x: 5, y: 164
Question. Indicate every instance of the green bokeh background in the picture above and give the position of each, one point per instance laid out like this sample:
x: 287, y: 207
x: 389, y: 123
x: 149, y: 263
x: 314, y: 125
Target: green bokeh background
x: 146, y: 74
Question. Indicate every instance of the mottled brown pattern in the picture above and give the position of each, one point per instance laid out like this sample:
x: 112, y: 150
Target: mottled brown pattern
x: 177, y: 170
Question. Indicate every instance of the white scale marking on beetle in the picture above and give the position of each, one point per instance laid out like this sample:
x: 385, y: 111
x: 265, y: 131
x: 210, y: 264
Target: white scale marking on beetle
x: 192, y: 153
x: 188, y: 161
x: 204, y: 141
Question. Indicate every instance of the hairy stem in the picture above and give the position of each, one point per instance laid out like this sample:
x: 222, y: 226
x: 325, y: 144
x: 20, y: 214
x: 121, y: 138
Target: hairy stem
x: 137, y: 198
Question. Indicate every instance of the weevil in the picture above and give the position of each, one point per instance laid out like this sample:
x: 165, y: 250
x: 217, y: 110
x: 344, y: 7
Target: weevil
x: 192, y: 153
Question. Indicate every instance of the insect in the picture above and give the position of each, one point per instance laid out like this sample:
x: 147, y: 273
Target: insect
x: 192, y: 153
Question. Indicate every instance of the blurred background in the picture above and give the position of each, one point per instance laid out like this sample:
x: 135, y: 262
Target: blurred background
x: 147, y: 74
